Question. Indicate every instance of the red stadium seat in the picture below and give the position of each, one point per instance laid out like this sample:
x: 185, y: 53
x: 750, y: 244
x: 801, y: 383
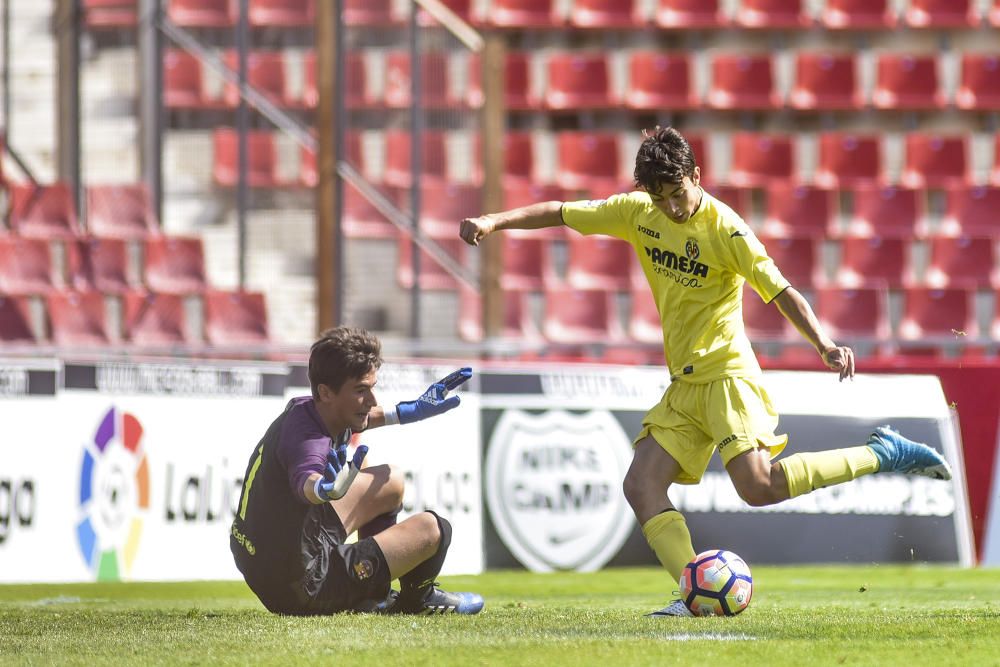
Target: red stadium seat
x: 734, y: 197
x: 282, y: 13
x: 763, y: 321
x: 523, y: 14
x: 444, y: 204
x: 825, y: 81
x: 772, y: 14
x: 433, y: 80
x: 689, y: 14
x: 357, y: 93
x: 887, y: 211
x: 517, y: 93
x: 15, y: 321
x: 962, y: 261
x: 586, y: 158
x: 858, y: 15
x: 799, y: 210
x: 26, y: 266
x: 853, y: 314
x: 397, y: 160
x: 265, y: 74
x: 699, y: 146
x: 742, y: 82
x: 152, y: 320
x: 979, y: 86
x: 599, y: 262
x: 578, y: 81
x: 433, y: 276
x: 361, y: 220
x: 518, y: 156
x: 262, y: 164
x: 848, y: 160
x: 183, y: 84
x: 526, y: 263
x: 517, y: 322
x: 461, y: 8
x: 121, y: 211
x: 77, y: 319
x: 644, y: 322
x: 202, y: 13
x: 99, y: 264
x: 368, y: 13
x: 761, y: 159
x: 942, y: 315
x: 605, y: 14
x: 235, y: 318
x: 659, y: 80
x: 993, y: 15
x: 907, y: 82
x: 941, y: 14
x: 872, y: 262
x: 797, y: 257
x: 581, y: 317
x: 935, y: 161
x: 972, y: 210
x: 43, y: 211
x: 109, y: 14
x: 175, y: 265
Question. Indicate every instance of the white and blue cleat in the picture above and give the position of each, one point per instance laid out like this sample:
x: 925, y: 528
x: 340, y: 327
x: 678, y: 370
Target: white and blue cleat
x: 898, y: 454
x: 675, y: 608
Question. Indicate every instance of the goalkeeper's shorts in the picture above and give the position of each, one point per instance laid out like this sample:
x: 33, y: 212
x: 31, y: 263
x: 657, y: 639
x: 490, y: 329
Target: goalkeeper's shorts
x: 733, y: 415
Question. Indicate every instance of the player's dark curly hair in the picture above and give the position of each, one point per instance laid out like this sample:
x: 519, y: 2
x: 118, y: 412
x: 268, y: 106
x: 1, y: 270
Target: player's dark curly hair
x: 664, y: 157
x: 341, y: 354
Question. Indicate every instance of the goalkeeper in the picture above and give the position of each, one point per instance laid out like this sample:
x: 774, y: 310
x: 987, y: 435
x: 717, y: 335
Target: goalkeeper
x: 696, y: 253
x: 302, y: 496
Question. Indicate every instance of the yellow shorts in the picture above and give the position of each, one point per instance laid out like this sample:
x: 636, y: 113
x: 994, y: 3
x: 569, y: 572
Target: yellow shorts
x: 734, y: 415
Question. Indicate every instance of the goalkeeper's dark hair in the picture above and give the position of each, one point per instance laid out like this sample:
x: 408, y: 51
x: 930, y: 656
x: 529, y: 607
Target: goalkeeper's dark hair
x: 340, y: 354
x: 664, y: 157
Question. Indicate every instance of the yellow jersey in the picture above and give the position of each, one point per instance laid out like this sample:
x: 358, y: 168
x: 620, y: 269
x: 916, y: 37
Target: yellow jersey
x: 696, y: 270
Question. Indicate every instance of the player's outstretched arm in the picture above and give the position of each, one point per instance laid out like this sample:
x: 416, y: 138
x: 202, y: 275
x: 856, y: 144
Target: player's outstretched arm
x: 433, y: 402
x: 535, y: 216
x: 796, y: 310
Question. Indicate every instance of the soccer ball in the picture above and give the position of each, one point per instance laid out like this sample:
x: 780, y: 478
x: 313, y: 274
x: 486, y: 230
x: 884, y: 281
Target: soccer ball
x: 716, y: 583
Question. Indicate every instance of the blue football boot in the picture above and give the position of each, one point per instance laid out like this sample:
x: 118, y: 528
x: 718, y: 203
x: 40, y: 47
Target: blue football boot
x: 898, y: 454
x: 437, y: 601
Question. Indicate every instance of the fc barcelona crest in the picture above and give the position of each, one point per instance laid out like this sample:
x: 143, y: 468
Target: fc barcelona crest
x: 691, y: 249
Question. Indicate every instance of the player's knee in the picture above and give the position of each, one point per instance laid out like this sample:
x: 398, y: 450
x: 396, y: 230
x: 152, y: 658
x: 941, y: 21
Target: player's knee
x: 757, y: 493
x: 430, y: 530
x: 632, y: 488
x: 395, y: 486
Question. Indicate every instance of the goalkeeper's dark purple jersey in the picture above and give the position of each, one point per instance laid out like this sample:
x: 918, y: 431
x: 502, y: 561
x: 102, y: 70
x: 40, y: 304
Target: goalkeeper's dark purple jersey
x: 266, y: 535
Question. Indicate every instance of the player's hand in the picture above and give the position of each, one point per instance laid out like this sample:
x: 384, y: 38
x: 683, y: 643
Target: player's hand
x: 435, y: 400
x: 472, y: 230
x: 840, y: 359
x: 340, y: 472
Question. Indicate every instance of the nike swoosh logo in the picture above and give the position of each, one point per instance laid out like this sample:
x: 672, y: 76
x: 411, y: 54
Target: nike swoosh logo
x: 735, y: 234
x: 563, y: 539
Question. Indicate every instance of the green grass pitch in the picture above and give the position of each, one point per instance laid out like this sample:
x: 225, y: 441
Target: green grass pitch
x: 872, y: 615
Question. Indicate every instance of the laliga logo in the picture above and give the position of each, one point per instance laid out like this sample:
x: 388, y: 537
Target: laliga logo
x: 553, y: 483
x: 114, y: 494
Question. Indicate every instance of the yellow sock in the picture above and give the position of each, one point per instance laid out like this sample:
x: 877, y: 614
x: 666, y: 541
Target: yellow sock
x: 667, y: 534
x: 809, y: 471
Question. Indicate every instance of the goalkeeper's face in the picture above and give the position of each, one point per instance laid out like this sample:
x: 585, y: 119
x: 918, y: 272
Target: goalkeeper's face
x: 350, y: 405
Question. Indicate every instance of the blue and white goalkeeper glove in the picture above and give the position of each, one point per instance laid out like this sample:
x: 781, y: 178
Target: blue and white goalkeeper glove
x: 340, y: 472
x: 433, y: 402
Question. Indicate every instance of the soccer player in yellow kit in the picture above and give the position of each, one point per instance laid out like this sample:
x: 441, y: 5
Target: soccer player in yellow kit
x: 696, y: 253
